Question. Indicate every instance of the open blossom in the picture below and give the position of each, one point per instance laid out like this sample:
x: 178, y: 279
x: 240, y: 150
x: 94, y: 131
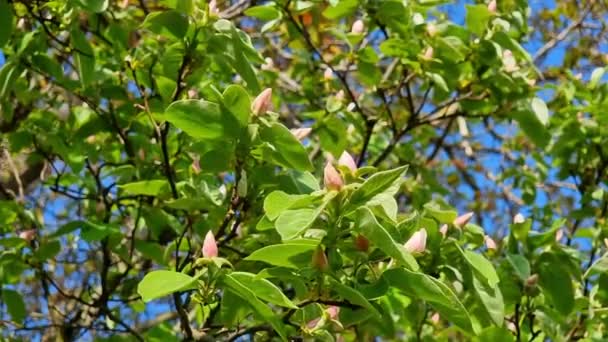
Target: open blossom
x: 28, y: 235
x: 463, y: 219
x: 331, y: 177
x: 416, y: 243
x: 490, y: 243
x: 347, y: 160
x: 301, y: 133
x: 519, y: 218
x: 262, y: 103
x: 210, y: 246
x: 358, y: 27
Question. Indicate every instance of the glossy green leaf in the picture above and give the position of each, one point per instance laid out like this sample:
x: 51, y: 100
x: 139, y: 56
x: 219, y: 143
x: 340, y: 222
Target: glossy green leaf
x: 85, y: 58
x: 157, y: 284
x: 477, y: 18
x: 342, y: 9
x: 483, y: 266
x: 291, y: 223
x: 148, y: 188
x: 263, y: 289
x: 286, y: 150
x: 238, y: 103
x: 95, y: 6
x: 6, y: 18
x: 369, y: 227
x: 265, y: 12
x: 376, y: 184
x: 201, y: 119
x: 520, y: 265
x: 15, y: 304
x: 438, y: 295
x: 265, y: 313
x: 168, y: 23
x: 291, y: 255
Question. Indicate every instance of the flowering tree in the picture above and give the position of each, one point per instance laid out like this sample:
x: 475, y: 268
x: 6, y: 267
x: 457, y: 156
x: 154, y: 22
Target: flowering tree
x: 287, y: 170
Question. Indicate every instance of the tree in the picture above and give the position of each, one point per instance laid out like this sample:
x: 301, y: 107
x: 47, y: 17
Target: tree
x: 287, y: 170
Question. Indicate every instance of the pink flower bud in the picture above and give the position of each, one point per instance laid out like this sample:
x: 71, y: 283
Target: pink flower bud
x: 416, y: 243
x: 333, y: 312
x: 213, y: 10
x: 313, y: 323
x: 559, y: 234
x: 435, y: 318
x: 490, y: 243
x: 328, y: 74
x: 196, y: 166
x: 428, y: 53
x: 444, y: 230
x: 347, y: 160
x: 192, y: 93
x: 519, y: 218
x: 301, y: 133
x: 492, y: 6
x: 463, y: 219
x: 210, y: 246
x: 358, y: 27
x: 262, y: 103
x: 319, y: 259
x: 340, y: 95
x: 511, y: 326
x: 28, y: 235
x: 332, y: 179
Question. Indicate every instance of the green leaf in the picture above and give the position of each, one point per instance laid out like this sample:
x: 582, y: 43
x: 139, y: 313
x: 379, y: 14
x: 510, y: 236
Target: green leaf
x: 532, y: 126
x: 14, y: 304
x: 47, y: 250
x: 264, y: 312
x: 292, y: 223
x: 8, y: 75
x: 6, y: 18
x: 354, y: 296
x: 520, y: 265
x: 477, y: 18
x: 264, y: 289
x: 96, y: 231
x: 290, y: 255
x: 148, y: 187
x: 540, y: 109
x: 367, y: 225
x: 287, y: 151
x: 238, y: 103
x: 495, y: 334
x: 278, y: 201
x: 85, y: 60
x: 95, y: 6
x: 421, y: 286
x: 201, y: 119
x: 521, y: 230
x: 160, y: 283
x: 555, y: 281
x: 596, y: 76
x: 265, y: 12
x: 599, y: 266
x: 483, y: 266
x: 343, y: 9
x: 492, y: 301
x: 168, y: 23
x: 374, y: 185
x: 442, y: 215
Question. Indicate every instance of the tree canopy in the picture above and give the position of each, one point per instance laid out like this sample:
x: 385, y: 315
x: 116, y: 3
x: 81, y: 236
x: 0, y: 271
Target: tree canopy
x: 333, y: 170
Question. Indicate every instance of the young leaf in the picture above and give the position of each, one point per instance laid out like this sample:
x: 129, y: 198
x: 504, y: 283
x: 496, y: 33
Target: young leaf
x: 243, y: 291
x: 438, y: 295
x: 369, y: 227
x: 160, y: 283
x: 374, y: 185
x: 290, y: 255
x: 264, y: 289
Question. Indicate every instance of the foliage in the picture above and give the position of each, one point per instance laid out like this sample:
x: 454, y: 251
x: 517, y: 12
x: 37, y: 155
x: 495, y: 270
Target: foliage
x: 184, y: 170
